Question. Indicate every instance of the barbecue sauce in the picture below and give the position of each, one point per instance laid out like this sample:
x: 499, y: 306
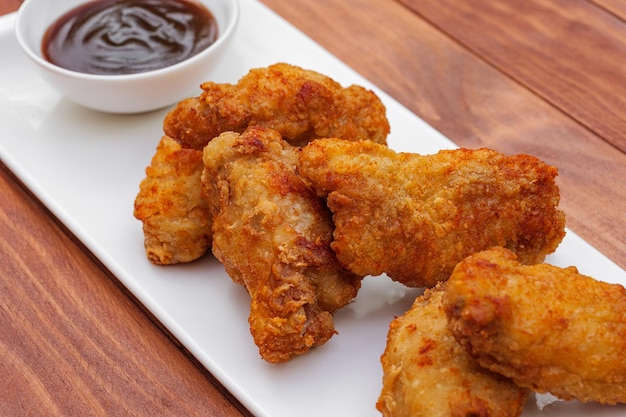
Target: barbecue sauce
x: 115, y: 37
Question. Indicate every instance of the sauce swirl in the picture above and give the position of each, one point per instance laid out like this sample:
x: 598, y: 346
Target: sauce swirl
x: 114, y: 37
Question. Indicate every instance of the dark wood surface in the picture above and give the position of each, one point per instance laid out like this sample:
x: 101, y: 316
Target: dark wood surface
x: 545, y: 78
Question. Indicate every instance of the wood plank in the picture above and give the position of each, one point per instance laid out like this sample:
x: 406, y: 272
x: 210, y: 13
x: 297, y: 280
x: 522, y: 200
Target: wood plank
x: 474, y: 104
x: 570, y: 52
x: 7, y: 6
x: 617, y: 7
x: 73, y: 343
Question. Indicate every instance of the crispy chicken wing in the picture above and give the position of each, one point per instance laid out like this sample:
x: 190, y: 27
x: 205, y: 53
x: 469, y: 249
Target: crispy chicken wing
x: 548, y: 328
x: 426, y: 373
x: 272, y: 233
x: 414, y: 217
x: 300, y: 104
x: 176, y: 220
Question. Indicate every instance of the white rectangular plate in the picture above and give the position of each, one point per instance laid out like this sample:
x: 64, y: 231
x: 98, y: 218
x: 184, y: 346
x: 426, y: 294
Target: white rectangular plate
x: 86, y: 168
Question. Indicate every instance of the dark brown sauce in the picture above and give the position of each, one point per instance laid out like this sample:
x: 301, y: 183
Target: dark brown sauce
x: 116, y: 37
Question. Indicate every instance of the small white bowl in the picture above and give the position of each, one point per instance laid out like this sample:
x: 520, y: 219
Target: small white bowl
x: 132, y: 93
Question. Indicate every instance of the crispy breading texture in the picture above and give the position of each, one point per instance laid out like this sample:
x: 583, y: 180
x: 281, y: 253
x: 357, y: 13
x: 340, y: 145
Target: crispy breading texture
x: 414, y: 217
x: 272, y: 233
x: 548, y: 328
x: 300, y: 104
x: 426, y: 373
x: 176, y: 220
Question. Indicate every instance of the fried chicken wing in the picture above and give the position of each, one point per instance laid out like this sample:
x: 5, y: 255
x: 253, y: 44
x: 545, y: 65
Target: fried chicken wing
x: 300, y: 104
x: 272, y: 233
x: 548, y: 328
x: 176, y: 220
x: 414, y: 217
x: 426, y: 373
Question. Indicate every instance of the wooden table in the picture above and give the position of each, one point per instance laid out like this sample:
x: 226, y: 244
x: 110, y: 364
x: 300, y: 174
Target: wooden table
x: 545, y: 77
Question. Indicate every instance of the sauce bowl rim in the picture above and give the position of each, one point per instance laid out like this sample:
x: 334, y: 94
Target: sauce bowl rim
x: 222, y: 37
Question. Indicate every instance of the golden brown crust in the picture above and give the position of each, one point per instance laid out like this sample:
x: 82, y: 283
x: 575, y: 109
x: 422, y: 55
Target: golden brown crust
x: 272, y: 233
x: 550, y: 329
x: 300, y: 104
x: 414, y: 217
x: 426, y: 373
x: 176, y: 220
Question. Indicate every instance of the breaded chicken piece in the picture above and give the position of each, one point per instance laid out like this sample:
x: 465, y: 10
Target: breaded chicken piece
x: 300, y: 104
x: 426, y: 373
x: 548, y: 328
x: 414, y: 217
x: 272, y: 233
x: 176, y: 220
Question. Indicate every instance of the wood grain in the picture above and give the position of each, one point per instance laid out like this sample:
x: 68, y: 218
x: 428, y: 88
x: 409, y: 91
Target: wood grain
x: 73, y: 343
x: 570, y: 52
x: 7, y: 6
x: 474, y: 104
x: 617, y: 7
